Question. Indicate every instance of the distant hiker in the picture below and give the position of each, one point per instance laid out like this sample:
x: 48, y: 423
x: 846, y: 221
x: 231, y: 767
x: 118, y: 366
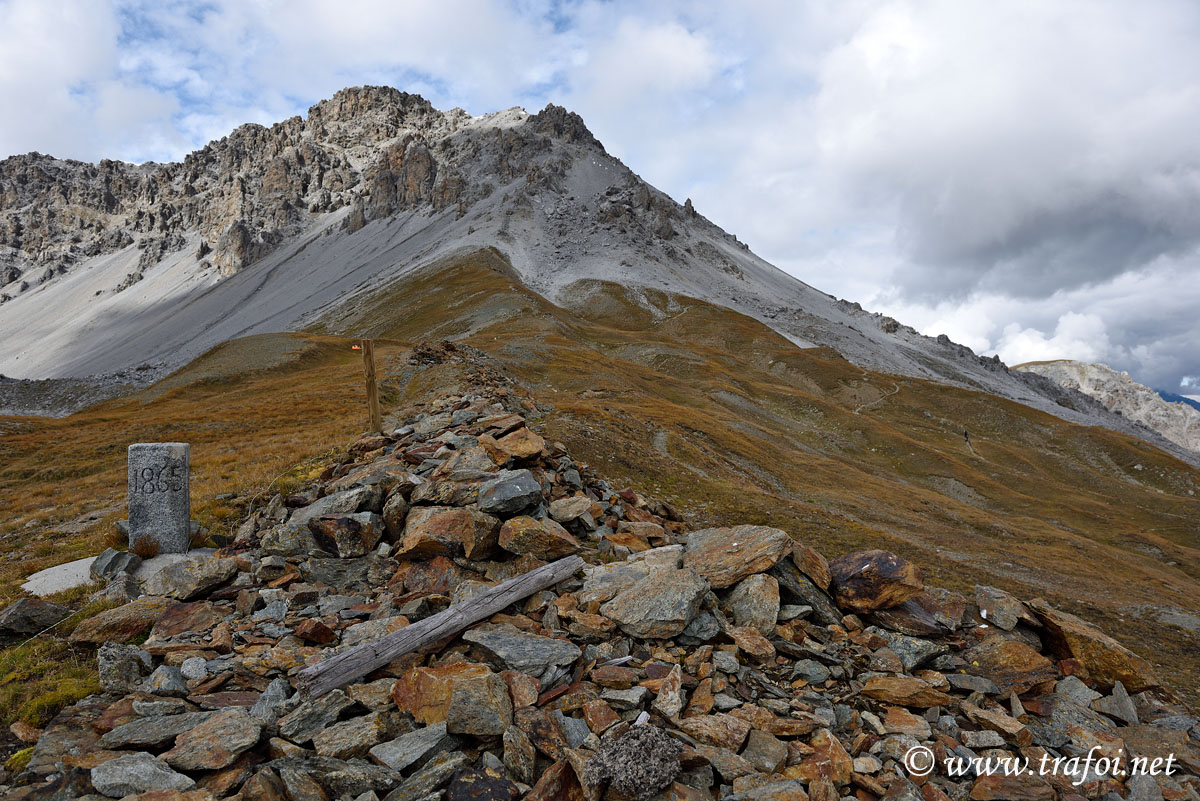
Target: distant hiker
x: 967, y: 436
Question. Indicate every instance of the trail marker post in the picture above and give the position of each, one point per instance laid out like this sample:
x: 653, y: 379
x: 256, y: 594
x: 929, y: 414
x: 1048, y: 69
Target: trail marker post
x: 375, y: 420
x: 159, y: 499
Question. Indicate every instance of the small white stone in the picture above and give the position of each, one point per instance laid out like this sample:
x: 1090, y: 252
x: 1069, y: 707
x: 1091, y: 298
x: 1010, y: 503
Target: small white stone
x: 194, y: 668
x: 271, y: 594
x: 867, y: 764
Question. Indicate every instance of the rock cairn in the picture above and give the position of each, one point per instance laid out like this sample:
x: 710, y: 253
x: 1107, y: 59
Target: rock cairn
x: 722, y: 663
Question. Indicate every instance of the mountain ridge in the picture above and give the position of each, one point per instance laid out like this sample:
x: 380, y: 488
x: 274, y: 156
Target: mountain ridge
x: 269, y: 229
x: 1171, y: 397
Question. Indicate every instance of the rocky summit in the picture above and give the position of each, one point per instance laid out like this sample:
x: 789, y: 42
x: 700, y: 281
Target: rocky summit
x: 112, y: 274
x: 1178, y: 422
x: 676, y: 664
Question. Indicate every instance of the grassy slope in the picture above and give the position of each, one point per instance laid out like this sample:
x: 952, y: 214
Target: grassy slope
x: 719, y: 414
x: 62, y: 481
x: 682, y: 399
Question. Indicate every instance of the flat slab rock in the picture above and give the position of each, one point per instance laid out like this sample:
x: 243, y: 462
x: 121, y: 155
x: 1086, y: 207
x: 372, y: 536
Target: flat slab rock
x: 58, y: 578
x: 341, y: 777
x: 725, y: 556
x: 154, y: 731
x: 414, y: 747
x: 1105, y: 659
x: 216, y: 742
x: 137, y: 773
x: 519, y: 650
x: 30, y: 616
x: 122, y: 623
x: 660, y: 605
x: 190, y: 576
x: 68, y: 733
x: 70, y: 575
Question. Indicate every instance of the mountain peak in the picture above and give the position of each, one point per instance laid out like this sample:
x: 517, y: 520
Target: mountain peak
x: 373, y: 114
x: 558, y: 122
x: 1119, y: 393
x: 149, y: 263
x: 356, y: 100
x: 375, y: 148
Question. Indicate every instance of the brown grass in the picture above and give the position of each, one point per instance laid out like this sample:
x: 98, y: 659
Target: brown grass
x: 62, y: 482
x: 729, y: 421
x: 145, y: 547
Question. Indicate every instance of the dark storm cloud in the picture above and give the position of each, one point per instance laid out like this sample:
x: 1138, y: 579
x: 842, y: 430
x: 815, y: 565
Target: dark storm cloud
x: 1045, y: 252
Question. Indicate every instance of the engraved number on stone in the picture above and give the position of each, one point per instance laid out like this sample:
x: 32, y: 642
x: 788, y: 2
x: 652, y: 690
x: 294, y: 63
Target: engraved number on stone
x: 168, y: 478
x: 175, y: 477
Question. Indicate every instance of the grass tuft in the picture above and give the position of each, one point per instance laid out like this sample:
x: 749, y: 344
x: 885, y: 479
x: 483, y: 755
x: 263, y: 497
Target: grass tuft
x: 41, y: 677
x: 19, y: 761
x: 146, y: 547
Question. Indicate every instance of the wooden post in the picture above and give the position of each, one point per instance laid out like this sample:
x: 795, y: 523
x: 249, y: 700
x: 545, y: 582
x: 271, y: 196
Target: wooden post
x: 375, y: 422
x: 316, y: 680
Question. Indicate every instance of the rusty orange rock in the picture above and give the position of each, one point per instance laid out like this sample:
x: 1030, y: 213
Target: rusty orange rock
x: 829, y: 760
x: 1010, y: 664
x: 904, y: 691
x: 725, y: 556
x: 723, y: 731
x: 447, y: 531
x: 425, y: 692
x: 812, y: 564
x: 543, y: 538
x: 521, y: 444
x: 1106, y: 660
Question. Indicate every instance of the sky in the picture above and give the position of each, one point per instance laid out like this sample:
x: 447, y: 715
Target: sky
x: 1021, y: 176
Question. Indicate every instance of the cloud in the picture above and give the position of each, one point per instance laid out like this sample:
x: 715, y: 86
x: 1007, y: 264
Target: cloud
x: 1018, y: 147
x: 1083, y: 337
x: 1142, y: 321
x: 51, y: 54
x: 1023, y: 176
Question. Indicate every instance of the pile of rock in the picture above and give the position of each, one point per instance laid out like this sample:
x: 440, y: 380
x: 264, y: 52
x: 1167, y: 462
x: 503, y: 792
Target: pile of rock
x: 731, y: 663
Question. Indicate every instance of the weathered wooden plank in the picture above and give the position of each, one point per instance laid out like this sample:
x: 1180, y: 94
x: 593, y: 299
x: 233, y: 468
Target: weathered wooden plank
x: 374, y: 417
x: 316, y: 680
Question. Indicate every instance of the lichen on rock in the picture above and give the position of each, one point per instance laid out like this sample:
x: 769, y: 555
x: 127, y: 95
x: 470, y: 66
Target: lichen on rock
x: 638, y: 763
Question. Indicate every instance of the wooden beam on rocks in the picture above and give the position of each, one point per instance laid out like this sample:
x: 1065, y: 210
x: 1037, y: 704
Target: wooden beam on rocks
x: 316, y: 680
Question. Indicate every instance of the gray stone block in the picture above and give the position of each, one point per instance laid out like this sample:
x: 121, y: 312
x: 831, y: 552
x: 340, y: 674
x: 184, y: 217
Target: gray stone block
x: 159, y: 496
x: 122, y: 667
x: 111, y: 562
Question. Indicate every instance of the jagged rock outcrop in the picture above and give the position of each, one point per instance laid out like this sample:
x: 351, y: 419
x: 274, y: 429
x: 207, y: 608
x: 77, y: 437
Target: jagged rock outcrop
x: 237, y: 198
x: 1178, y: 422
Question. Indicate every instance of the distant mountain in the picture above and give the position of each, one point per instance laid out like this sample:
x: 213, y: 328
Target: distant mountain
x: 1171, y: 397
x: 1178, y: 422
